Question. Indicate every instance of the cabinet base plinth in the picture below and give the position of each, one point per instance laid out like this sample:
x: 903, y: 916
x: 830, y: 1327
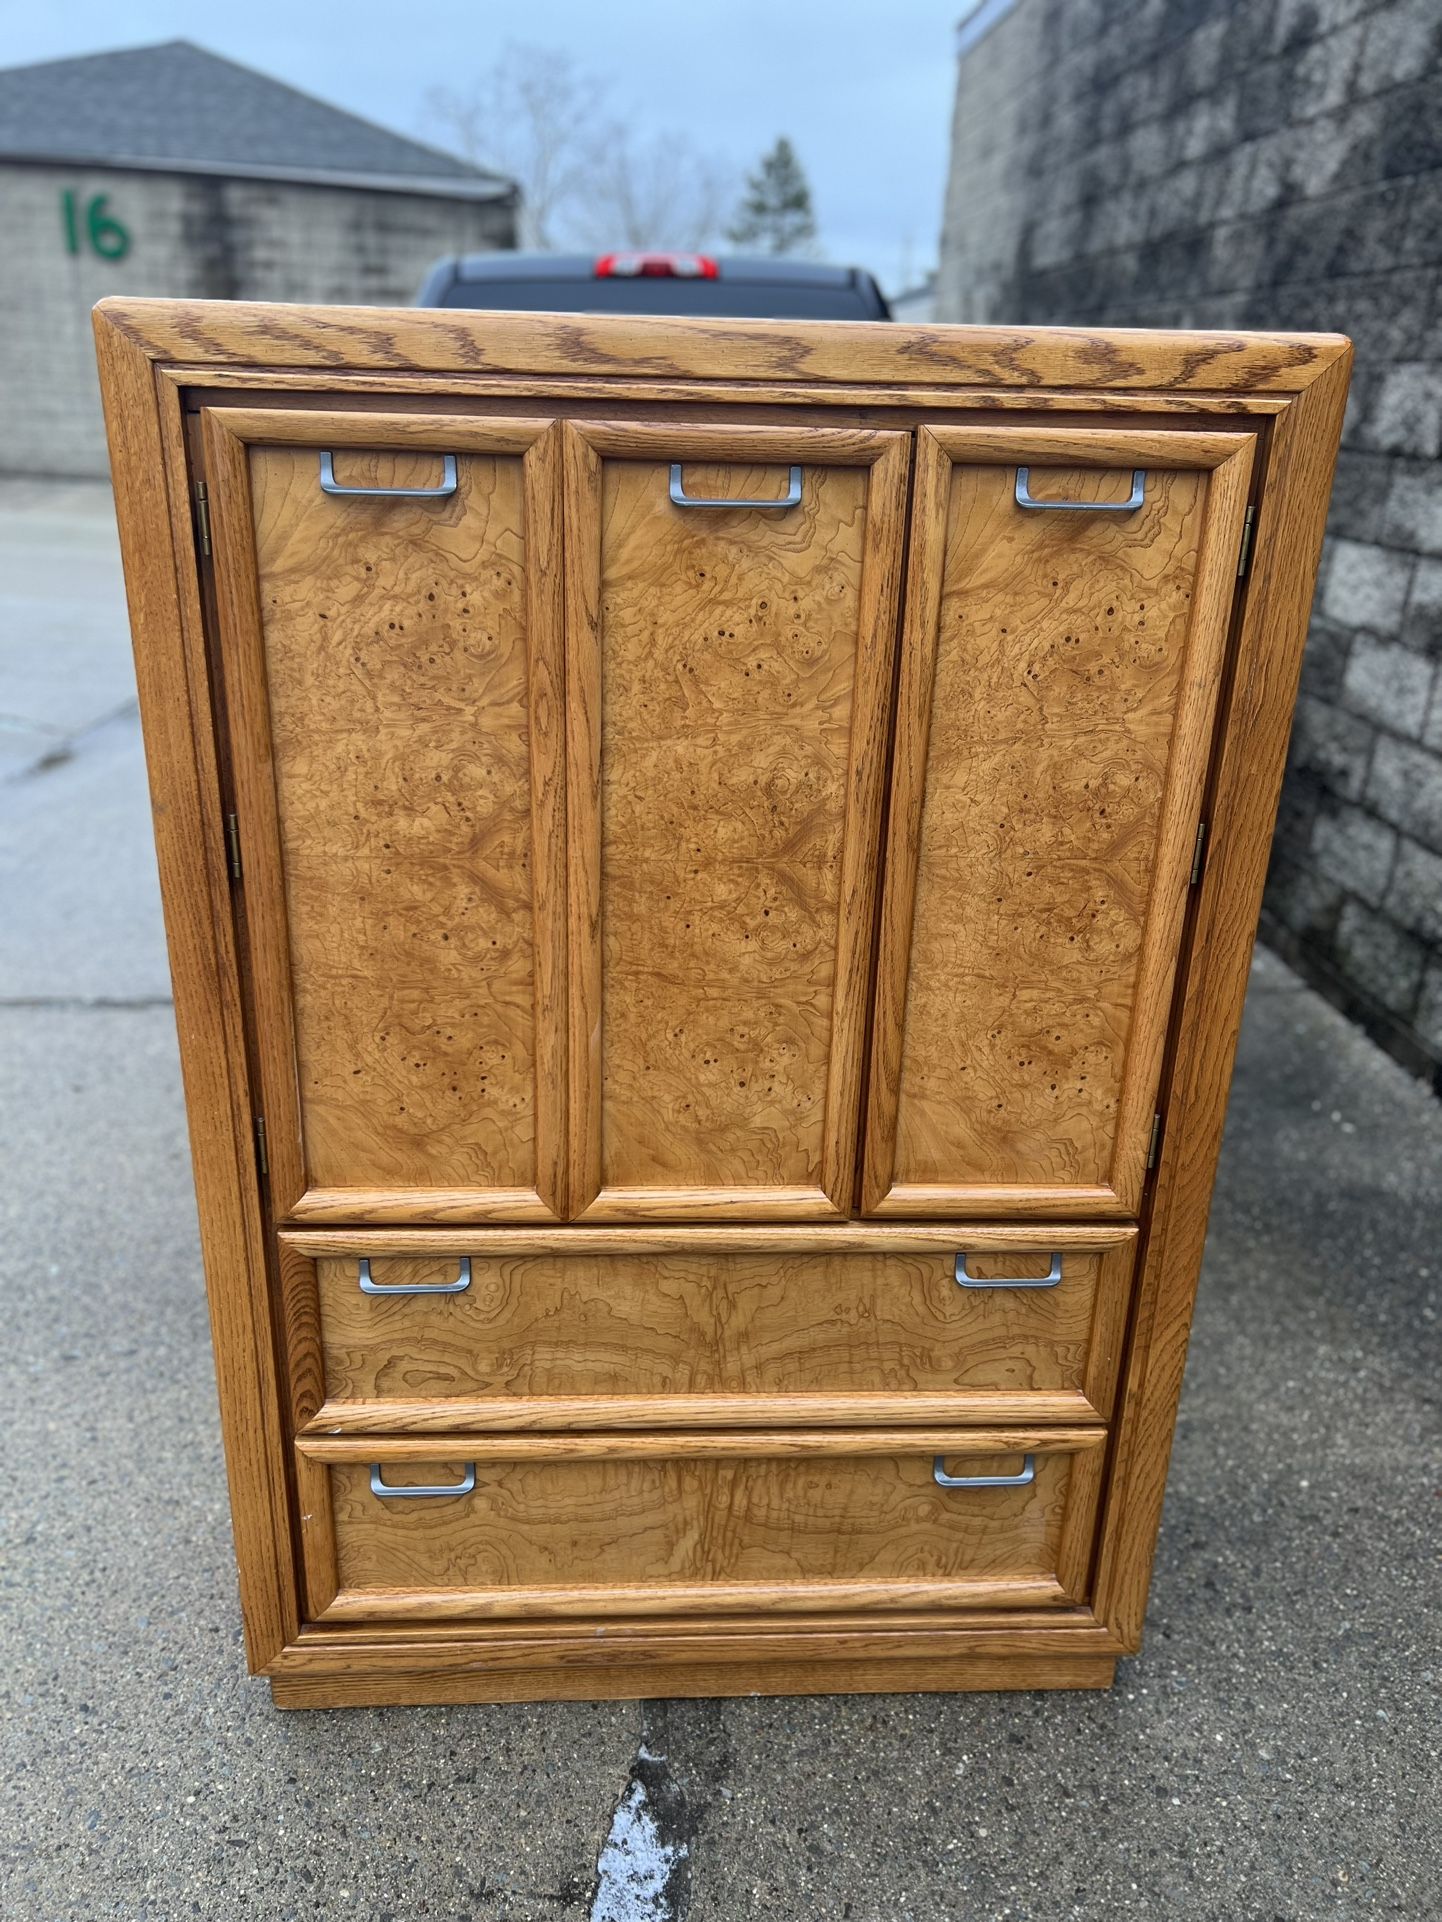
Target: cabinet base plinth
x: 416, y: 1686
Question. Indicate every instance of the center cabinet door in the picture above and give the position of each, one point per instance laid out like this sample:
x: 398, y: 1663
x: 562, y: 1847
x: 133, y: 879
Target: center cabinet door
x: 1067, y: 613
x: 731, y: 615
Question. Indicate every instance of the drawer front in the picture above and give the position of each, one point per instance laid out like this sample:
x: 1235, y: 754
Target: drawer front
x: 724, y: 1527
x: 896, y: 1328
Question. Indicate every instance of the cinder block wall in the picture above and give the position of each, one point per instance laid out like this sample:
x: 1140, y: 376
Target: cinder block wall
x: 1264, y: 163
x: 188, y: 235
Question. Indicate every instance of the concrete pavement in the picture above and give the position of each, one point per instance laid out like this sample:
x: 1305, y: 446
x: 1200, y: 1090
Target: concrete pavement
x: 1272, y: 1754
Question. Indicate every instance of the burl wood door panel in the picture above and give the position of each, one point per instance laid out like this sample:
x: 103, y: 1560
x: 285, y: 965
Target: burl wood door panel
x: 1059, y: 679
x: 393, y: 684
x: 926, y: 1326
x: 720, y: 1528
x: 729, y: 675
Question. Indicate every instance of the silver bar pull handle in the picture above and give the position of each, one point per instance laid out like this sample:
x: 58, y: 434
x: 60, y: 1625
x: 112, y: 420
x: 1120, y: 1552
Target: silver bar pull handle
x: 456, y: 1287
x: 387, y: 1493
x: 1025, y: 497
x: 965, y: 1278
x: 330, y: 485
x: 680, y: 498
x: 943, y: 1480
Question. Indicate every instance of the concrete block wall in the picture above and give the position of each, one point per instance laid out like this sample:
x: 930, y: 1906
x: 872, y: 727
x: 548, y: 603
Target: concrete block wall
x: 1269, y: 164
x: 189, y: 235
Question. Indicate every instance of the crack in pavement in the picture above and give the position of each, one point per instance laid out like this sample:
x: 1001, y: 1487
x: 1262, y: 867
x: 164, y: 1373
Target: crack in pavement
x: 65, y: 747
x: 645, y: 1869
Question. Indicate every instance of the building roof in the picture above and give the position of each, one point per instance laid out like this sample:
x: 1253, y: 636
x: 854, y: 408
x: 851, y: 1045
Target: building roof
x: 177, y: 108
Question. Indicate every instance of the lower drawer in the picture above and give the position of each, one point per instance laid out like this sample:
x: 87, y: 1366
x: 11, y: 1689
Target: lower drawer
x: 426, y: 1331
x: 534, y: 1526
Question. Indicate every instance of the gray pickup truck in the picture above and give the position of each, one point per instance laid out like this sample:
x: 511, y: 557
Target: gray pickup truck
x: 733, y: 286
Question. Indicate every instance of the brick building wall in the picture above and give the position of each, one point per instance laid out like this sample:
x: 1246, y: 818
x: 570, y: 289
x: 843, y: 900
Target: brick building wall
x: 219, y: 237
x: 1269, y: 164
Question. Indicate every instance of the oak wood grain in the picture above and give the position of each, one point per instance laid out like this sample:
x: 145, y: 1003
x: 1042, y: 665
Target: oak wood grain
x: 1242, y: 806
x: 195, y: 334
x: 858, y: 1237
x: 368, y: 1682
x: 148, y: 458
x: 872, y: 404
x: 329, y: 1647
x: 559, y: 1445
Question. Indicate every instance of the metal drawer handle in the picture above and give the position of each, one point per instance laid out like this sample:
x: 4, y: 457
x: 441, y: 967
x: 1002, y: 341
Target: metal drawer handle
x: 1025, y: 497
x: 680, y: 498
x: 330, y: 485
x: 965, y: 1278
x: 939, y: 1476
x: 456, y: 1287
x: 384, y: 1489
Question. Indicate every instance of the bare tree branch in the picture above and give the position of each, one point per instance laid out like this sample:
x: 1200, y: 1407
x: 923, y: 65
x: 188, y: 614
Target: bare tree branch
x: 587, y: 178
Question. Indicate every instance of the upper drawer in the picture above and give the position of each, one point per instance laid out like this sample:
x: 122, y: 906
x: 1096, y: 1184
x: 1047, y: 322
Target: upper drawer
x: 629, y: 1329
x: 1067, y: 614
x: 630, y: 1525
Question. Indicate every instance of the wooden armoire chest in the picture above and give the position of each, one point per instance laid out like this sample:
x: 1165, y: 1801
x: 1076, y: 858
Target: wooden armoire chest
x: 710, y: 870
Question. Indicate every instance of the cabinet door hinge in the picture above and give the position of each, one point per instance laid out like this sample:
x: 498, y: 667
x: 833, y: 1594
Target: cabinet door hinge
x: 1199, y: 853
x: 232, y: 845
x: 1244, y: 552
x: 1156, y: 1141
x: 202, y: 516
x: 262, y: 1161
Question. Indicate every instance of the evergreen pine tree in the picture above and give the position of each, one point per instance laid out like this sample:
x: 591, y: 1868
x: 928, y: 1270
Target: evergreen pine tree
x: 775, y: 215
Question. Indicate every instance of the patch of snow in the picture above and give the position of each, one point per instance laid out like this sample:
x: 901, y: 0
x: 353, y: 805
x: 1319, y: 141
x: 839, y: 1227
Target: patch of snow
x: 635, y: 1865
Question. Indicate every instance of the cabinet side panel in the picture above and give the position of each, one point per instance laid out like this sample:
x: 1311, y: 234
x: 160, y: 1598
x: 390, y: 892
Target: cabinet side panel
x: 1243, y: 807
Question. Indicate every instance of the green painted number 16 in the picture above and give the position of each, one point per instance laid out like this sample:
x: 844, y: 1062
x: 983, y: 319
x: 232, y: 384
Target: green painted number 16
x: 106, y: 237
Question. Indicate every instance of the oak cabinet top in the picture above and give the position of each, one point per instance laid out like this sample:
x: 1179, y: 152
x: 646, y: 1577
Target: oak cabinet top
x: 201, y: 334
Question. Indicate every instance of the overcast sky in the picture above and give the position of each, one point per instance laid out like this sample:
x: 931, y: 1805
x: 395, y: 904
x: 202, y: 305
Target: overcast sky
x: 862, y: 87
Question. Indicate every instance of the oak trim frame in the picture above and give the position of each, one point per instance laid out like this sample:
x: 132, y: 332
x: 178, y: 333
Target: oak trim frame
x: 366, y: 1675
x: 229, y: 433
x: 148, y: 461
x: 154, y: 355
x: 207, y: 333
x: 1228, y: 458
x: 1246, y: 784
x: 886, y: 454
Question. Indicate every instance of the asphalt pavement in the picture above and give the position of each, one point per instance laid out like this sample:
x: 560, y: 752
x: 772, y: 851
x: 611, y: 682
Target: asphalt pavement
x: 1271, y: 1755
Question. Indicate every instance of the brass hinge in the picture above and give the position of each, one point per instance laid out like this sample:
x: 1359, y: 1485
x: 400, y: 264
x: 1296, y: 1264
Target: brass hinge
x: 1199, y: 853
x: 1244, y: 553
x: 1156, y: 1141
x: 202, y: 516
x: 232, y: 842
x: 262, y: 1161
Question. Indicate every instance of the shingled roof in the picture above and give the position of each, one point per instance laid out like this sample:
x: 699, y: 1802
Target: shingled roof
x: 178, y: 108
